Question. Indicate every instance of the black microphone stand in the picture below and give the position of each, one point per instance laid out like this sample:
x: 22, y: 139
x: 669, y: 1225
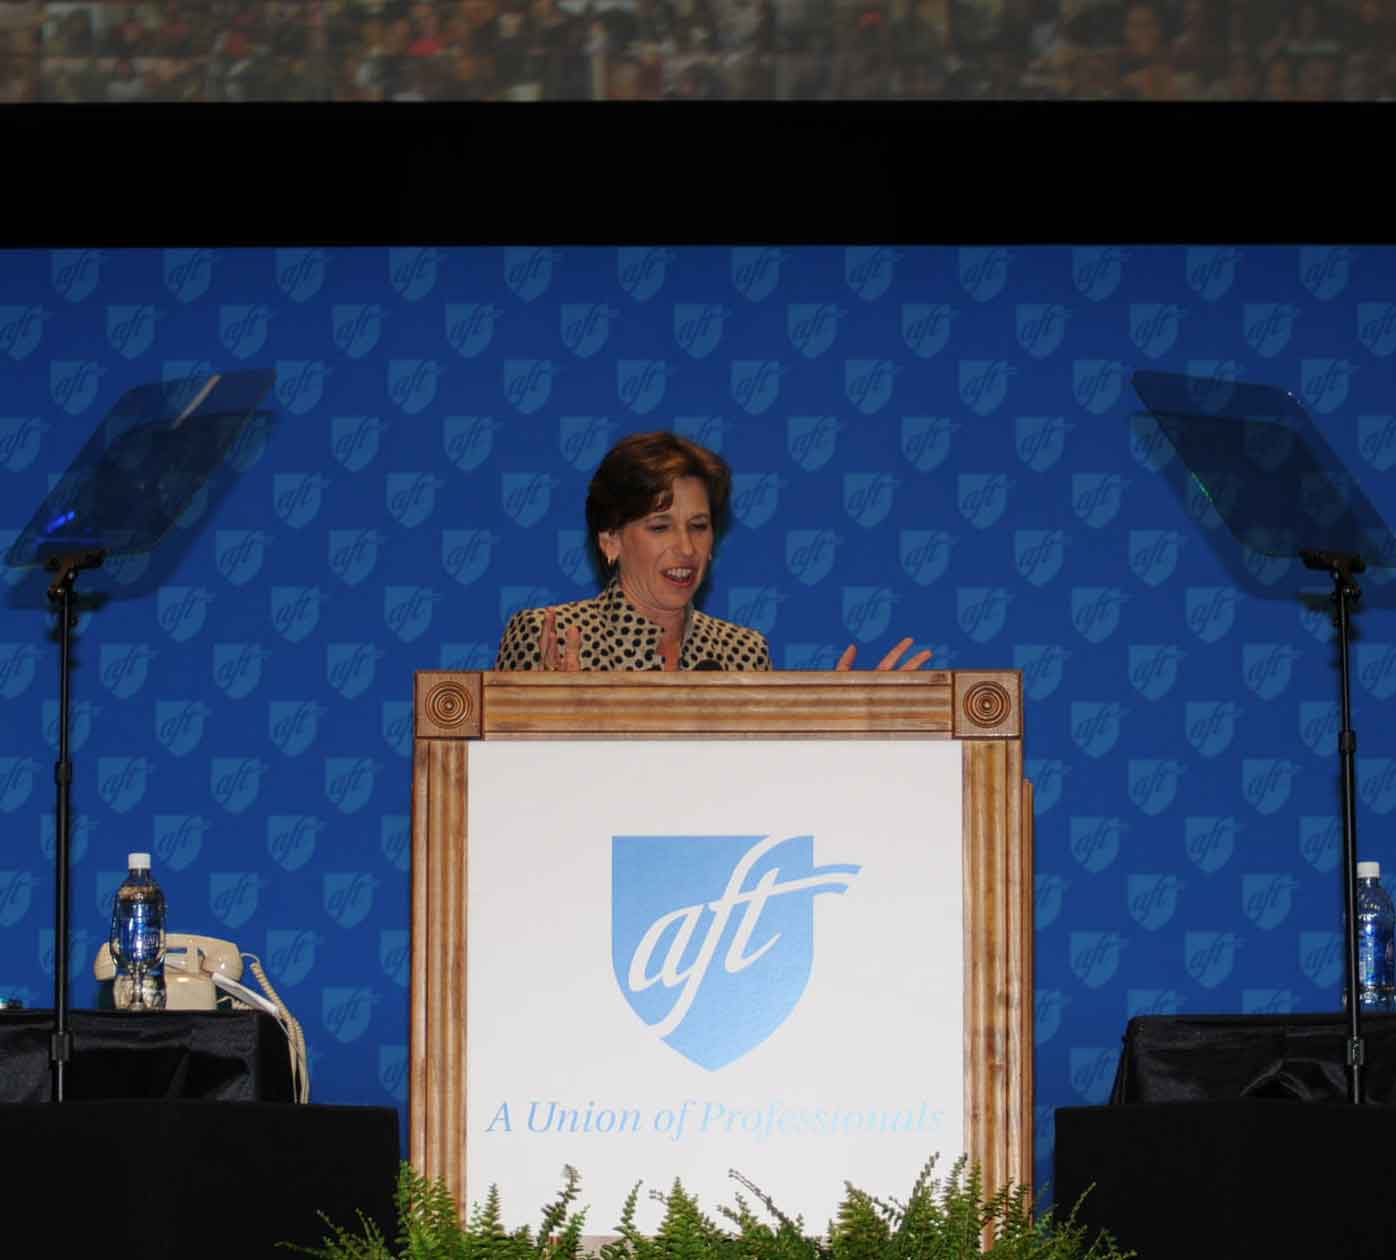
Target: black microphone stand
x: 60, y: 591
x: 1341, y: 566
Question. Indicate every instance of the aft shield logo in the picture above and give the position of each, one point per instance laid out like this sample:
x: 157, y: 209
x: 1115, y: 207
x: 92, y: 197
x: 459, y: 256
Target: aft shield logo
x: 300, y: 273
x: 468, y: 440
x: 413, y: 270
x: 926, y: 441
x: 358, y: 327
x: 749, y: 902
x: 755, y: 270
x: 74, y: 273
x: 1153, y: 326
x: 643, y: 269
x: 188, y: 273
x: 983, y: 271
x: 528, y: 271
x: 1269, y: 326
x: 586, y: 326
x: 130, y: 329
x: 926, y: 327
x: 698, y: 327
x: 1376, y: 327
x: 811, y: 326
x: 1096, y: 271
x: 470, y: 327
x: 1326, y: 269
x: 868, y: 270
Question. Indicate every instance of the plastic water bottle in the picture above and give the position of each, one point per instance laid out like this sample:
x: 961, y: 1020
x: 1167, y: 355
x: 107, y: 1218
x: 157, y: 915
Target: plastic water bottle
x: 1376, y: 925
x: 138, y: 939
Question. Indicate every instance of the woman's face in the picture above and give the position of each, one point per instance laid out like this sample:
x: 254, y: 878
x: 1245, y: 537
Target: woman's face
x: 664, y: 556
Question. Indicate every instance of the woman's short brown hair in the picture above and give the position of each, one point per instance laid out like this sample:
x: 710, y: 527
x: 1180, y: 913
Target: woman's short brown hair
x: 637, y: 475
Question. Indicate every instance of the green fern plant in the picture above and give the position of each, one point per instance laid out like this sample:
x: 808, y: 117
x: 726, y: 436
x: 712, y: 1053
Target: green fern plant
x: 945, y: 1219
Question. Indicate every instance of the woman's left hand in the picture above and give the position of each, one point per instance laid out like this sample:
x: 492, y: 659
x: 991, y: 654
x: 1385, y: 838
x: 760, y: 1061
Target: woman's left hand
x: 890, y: 660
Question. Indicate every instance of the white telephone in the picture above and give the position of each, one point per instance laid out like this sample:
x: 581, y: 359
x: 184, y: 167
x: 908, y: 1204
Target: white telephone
x: 201, y: 971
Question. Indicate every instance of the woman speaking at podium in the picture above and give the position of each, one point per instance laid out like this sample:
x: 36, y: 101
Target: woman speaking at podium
x: 654, y: 510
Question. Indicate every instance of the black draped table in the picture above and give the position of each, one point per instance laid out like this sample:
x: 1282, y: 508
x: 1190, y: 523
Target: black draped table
x: 222, y: 1056
x: 175, y: 1180
x: 1231, y: 1135
x: 177, y: 1138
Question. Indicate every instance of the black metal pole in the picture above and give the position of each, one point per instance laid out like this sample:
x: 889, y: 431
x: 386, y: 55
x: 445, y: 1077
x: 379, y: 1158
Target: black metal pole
x: 1341, y: 566
x: 1345, y: 590
x: 60, y: 591
x: 60, y: 1050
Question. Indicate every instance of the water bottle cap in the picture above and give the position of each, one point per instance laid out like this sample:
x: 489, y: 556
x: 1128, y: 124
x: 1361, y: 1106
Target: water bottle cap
x: 138, y: 861
x: 1369, y: 870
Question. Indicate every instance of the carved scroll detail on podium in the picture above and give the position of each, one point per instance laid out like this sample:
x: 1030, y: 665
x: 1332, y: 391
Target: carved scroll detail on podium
x: 987, y: 704
x: 447, y: 705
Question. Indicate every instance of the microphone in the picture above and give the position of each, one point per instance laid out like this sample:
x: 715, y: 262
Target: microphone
x: 709, y: 663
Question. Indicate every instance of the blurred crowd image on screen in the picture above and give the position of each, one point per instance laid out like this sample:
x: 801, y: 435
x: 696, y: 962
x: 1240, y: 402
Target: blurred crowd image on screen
x: 620, y: 50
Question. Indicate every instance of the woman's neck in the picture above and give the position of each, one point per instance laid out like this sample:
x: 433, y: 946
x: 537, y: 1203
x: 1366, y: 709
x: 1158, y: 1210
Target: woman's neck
x: 670, y: 620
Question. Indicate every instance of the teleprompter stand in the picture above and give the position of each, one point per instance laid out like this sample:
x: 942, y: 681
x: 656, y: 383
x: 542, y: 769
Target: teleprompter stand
x: 127, y: 486
x: 1251, y: 454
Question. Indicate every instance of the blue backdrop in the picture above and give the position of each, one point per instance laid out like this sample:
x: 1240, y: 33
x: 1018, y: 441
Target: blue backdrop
x: 927, y: 441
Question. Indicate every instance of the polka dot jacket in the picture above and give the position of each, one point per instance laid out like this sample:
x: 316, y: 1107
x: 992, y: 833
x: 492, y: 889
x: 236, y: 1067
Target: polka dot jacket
x: 616, y: 636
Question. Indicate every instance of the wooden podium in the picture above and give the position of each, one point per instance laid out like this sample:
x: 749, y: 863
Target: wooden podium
x: 982, y: 711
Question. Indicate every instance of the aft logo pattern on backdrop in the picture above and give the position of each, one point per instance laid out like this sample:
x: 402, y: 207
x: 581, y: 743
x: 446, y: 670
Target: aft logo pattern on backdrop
x: 934, y: 442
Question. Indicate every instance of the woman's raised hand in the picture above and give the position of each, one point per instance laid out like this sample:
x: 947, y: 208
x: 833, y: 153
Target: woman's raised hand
x: 567, y: 658
x: 890, y: 660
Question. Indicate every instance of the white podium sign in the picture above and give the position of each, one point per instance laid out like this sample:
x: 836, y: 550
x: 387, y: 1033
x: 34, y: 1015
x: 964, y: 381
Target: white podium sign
x: 685, y: 959
x: 665, y: 925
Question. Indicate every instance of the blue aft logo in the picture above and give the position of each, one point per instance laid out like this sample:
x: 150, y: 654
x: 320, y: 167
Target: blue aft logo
x: 233, y: 896
x: 300, y: 273
x: 1210, y: 957
x: 811, y: 440
x: 300, y: 383
x: 584, y: 440
x: 1376, y: 327
x: 295, y: 611
x: 983, y: 271
x: 74, y: 273
x: 358, y: 327
x: 1153, y: 783
x: 811, y: 326
x: 21, y: 328
x: 712, y: 937
x: 698, y: 327
x: 643, y: 269
x: 1095, y: 842
x: 983, y: 384
x: 755, y: 384
x: 1268, y: 899
x: 470, y: 327
x: 1096, y: 271
x: 237, y: 668
x: 809, y: 554
x: 755, y: 270
x: 20, y: 438
x: 926, y: 327
x: 1095, y: 956
x: 1153, y: 899
x: 412, y: 383
x: 981, y: 611
x: 1209, y: 841
x: 1268, y: 326
x: 1038, y: 554
x: 867, y: 497
x: 291, y: 954
x: 586, y: 326
x: 355, y: 440
x: 188, y: 273
x: 179, y: 724
x: 354, y: 553
x: 1154, y: 327
x: 1041, y: 327
x: 868, y: 383
x: 926, y: 441
x: 235, y: 783
x: 243, y: 329
x: 1043, y: 666
x: 528, y: 271
x: 407, y: 613
x: 925, y: 554
x: 72, y: 383
x: 1211, y: 725
x: 1211, y: 271
x: 291, y: 839
x: 413, y: 270
x: 468, y: 440
x: 350, y: 667
x: 640, y: 384
x: 348, y: 897
x: 869, y: 270
x: 1040, y: 440
x: 1325, y: 270
x: 411, y: 497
